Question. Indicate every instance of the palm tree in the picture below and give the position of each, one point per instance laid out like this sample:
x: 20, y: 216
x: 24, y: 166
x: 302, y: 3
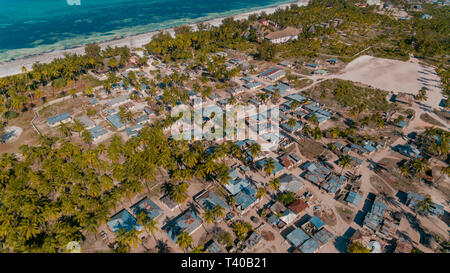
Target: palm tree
x: 261, y: 193
x: 269, y: 166
x: 294, y: 104
x: 129, y: 238
x: 306, y: 130
x: 86, y: 136
x: 335, y: 132
x: 149, y: 225
x: 197, y: 249
x: 178, y: 193
x: 218, y: 211
x: 317, y: 134
x: 420, y: 165
x: 254, y: 149
x: 184, y: 240
x: 163, y: 247
x: 64, y: 129
x: 231, y: 201
x: 209, y: 218
x: 404, y: 169
x: 313, y: 119
x: 291, y: 123
x: 344, y: 162
x: 77, y: 126
x: 425, y: 205
x: 274, y: 184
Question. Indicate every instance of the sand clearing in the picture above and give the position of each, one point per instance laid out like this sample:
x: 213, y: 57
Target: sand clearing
x: 393, y: 75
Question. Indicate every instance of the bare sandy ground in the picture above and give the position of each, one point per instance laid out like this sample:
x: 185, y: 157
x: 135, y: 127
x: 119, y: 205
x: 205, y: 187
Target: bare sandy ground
x: 396, y: 76
x: 14, y: 67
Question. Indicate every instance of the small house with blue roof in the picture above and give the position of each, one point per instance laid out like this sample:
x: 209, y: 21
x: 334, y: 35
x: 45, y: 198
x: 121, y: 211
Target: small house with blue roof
x: 142, y: 119
x: 281, y: 87
x: 278, y: 166
x: 209, y: 200
x: 134, y: 130
x: 116, y: 121
x: 298, y: 126
x: 188, y: 221
x: 333, y: 184
x: 148, y: 207
x: 97, y: 132
x: 123, y: 220
x: 58, y: 119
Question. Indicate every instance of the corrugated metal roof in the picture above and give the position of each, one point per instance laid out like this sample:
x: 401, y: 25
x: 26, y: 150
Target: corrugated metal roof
x: 209, y: 200
x: 309, y: 246
x: 148, y: 206
x: 58, y: 118
x: 316, y: 221
x: 97, y: 131
x: 123, y: 220
x: 297, y: 237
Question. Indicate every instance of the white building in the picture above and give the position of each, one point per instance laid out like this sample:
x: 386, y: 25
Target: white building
x: 282, y: 36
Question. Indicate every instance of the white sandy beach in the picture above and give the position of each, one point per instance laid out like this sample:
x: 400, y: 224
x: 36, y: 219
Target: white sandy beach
x: 15, y: 66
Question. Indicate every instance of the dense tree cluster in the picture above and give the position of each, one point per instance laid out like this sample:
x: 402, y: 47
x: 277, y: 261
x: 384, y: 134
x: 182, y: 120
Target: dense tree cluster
x: 58, y: 192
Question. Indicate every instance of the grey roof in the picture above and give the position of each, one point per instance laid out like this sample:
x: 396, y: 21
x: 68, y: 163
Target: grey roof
x: 97, y: 131
x: 253, y: 240
x: 323, y: 236
x: 133, y: 130
x: 379, y: 207
x: 354, y: 198
x: 209, y: 200
x: 214, y: 247
x: 372, y: 221
x: 86, y: 121
x: 296, y: 97
x: 115, y: 120
x: 290, y: 182
x: 118, y: 100
x: 142, y: 118
x: 297, y: 237
x: 309, y: 246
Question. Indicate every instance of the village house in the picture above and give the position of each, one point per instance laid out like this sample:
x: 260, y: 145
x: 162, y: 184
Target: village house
x: 188, y: 221
x: 282, y: 36
x: 58, y: 119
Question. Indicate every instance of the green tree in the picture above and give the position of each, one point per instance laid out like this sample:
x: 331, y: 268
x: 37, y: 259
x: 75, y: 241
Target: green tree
x: 269, y: 166
x: 274, y: 183
x: 357, y: 247
x: 184, y: 240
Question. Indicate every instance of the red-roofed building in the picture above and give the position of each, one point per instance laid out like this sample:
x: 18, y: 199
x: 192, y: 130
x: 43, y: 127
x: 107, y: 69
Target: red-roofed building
x: 298, y: 206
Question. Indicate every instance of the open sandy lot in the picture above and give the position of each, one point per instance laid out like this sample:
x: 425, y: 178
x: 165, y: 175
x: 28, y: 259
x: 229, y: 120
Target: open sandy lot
x: 396, y: 76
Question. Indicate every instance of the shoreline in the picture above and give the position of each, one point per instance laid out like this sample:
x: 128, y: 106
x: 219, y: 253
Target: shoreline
x: 8, y: 68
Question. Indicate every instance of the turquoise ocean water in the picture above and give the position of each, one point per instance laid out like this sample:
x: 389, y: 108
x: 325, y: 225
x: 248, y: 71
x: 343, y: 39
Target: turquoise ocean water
x: 29, y: 27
